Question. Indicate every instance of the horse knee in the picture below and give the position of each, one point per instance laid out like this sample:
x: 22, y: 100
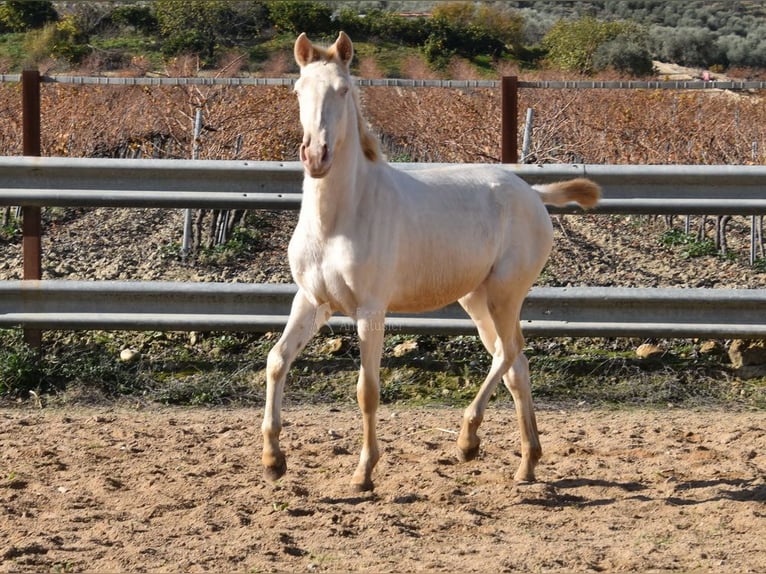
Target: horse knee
x: 277, y: 362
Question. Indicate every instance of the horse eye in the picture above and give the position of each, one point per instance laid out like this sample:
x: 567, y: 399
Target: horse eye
x: 343, y: 91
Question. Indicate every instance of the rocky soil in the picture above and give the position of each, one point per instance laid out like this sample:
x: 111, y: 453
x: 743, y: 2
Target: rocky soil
x: 596, y: 250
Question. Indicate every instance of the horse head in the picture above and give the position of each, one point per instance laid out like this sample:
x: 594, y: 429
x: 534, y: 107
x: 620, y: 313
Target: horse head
x: 325, y: 99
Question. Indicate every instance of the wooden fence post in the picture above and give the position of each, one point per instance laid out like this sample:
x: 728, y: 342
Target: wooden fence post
x: 509, y: 152
x: 31, y: 227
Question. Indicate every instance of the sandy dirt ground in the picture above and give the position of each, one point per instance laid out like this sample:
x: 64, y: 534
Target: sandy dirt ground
x: 180, y: 490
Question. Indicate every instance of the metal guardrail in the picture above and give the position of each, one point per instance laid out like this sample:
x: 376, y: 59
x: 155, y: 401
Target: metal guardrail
x: 76, y: 182
x: 547, y: 311
x: 575, y: 311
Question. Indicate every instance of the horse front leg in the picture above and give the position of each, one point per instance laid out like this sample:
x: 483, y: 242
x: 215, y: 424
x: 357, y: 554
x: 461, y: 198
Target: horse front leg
x: 371, y: 328
x: 304, y: 321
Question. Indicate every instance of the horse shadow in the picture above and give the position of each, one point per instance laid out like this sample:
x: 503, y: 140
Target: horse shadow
x: 747, y: 490
x: 743, y: 490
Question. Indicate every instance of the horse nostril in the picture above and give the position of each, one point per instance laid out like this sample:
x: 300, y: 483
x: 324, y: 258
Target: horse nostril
x: 324, y: 153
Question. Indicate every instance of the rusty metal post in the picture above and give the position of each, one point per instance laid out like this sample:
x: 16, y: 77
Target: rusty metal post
x: 509, y: 152
x: 31, y: 227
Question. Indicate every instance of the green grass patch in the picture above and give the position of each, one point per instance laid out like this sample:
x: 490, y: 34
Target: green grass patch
x: 759, y: 265
x: 13, y: 52
x: 689, y: 244
x: 228, y: 369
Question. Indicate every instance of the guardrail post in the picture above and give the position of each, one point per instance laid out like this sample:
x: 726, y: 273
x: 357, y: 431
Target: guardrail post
x: 509, y: 152
x: 31, y: 227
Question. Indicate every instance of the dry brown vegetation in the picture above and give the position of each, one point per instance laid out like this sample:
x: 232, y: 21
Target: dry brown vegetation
x: 422, y: 124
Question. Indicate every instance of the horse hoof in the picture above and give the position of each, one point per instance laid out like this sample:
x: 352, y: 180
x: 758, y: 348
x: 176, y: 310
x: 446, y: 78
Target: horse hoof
x: 523, y: 477
x: 468, y: 453
x: 366, y: 486
x: 274, y: 472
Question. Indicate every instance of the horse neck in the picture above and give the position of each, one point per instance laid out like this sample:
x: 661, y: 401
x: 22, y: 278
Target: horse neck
x: 336, y: 195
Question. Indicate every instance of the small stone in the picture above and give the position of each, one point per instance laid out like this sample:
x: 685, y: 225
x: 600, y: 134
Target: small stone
x: 334, y: 346
x: 405, y: 348
x: 129, y: 355
x: 710, y: 348
x: 648, y: 350
x: 747, y: 353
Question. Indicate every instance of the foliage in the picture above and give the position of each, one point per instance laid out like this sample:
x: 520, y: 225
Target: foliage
x: 203, y: 26
x: 60, y: 40
x: 228, y: 369
x: 627, y: 54
x: 726, y: 32
x: 496, y: 22
x: 692, y: 246
x: 19, y: 366
x: 10, y: 226
x: 587, y: 45
x: 297, y: 16
x: 140, y: 18
x: 686, y: 46
x: 380, y: 25
x: 23, y: 15
x: 469, y: 30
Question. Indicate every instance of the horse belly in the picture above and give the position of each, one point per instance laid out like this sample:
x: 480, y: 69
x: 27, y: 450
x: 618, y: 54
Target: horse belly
x: 432, y: 287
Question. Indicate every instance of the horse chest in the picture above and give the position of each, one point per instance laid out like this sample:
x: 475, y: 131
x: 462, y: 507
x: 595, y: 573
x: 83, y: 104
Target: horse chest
x: 326, y: 271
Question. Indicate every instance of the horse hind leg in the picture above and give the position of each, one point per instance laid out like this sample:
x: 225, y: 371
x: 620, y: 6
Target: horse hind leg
x: 517, y: 382
x: 475, y: 304
x: 505, y: 345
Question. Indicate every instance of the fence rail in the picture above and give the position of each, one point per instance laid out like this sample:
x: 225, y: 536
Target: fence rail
x: 571, y: 311
x: 547, y: 311
x: 81, y: 182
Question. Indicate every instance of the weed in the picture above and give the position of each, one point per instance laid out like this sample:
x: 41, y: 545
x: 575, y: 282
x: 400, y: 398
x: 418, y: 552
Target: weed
x: 759, y: 265
x: 11, y: 226
x: 19, y: 367
x: 243, y: 241
x: 692, y: 246
x: 229, y: 369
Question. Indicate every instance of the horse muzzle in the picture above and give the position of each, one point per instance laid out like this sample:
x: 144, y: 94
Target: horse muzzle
x: 316, y: 159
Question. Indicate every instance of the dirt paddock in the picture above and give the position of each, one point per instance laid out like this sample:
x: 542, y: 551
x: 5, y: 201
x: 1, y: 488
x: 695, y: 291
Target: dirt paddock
x: 180, y: 490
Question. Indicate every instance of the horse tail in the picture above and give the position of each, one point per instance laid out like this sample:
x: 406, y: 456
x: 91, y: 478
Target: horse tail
x: 580, y: 190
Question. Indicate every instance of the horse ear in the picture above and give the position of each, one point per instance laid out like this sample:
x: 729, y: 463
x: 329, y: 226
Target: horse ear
x: 344, y: 48
x: 303, y: 50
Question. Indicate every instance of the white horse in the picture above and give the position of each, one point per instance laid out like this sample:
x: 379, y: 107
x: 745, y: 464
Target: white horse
x: 372, y: 239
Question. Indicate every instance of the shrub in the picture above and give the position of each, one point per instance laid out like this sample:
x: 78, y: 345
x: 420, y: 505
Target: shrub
x: 625, y: 55
x: 203, y: 26
x: 61, y: 40
x: 686, y: 46
x: 469, y: 30
x: 587, y: 45
x: 23, y: 15
x: 141, y: 18
x: 296, y: 16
